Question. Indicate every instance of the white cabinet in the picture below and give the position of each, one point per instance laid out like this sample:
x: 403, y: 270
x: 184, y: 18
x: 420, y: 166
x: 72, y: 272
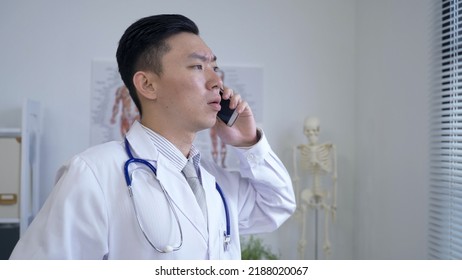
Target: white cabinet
x: 19, y: 174
x: 10, y: 174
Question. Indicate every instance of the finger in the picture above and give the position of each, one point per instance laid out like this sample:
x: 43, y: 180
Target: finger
x: 227, y: 93
x: 234, y: 101
x: 242, y: 106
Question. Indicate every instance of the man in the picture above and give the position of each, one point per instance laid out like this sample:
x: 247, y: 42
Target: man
x: 172, y: 77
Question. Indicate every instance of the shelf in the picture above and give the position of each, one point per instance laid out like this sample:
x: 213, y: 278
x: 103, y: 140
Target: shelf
x: 28, y: 135
x: 9, y: 221
x: 10, y: 132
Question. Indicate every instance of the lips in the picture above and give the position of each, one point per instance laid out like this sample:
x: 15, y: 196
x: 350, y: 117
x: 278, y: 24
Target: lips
x: 215, y: 104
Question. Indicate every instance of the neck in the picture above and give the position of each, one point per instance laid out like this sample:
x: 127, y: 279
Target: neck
x: 179, y: 137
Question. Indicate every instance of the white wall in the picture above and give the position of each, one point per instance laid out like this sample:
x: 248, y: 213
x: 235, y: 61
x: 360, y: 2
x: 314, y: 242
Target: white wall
x: 316, y: 57
x: 393, y: 92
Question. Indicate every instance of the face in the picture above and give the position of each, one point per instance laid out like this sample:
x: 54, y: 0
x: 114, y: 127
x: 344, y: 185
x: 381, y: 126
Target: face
x: 188, y: 87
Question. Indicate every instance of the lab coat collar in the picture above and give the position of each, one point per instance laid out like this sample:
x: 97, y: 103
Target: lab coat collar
x: 140, y: 143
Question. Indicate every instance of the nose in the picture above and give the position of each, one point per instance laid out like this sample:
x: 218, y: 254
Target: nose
x: 214, y: 80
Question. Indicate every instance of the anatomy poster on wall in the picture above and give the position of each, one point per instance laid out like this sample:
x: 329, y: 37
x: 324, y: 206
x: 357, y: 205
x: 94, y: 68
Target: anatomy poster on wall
x: 113, y: 111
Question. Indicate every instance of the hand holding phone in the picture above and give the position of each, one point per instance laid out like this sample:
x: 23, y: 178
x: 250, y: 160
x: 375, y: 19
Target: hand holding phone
x: 227, y: 115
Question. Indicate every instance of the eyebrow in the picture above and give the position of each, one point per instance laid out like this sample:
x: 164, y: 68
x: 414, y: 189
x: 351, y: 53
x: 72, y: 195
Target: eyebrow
x: 204, y: 58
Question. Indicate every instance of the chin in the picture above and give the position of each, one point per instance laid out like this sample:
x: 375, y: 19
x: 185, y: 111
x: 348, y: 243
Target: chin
x: 207, y: 125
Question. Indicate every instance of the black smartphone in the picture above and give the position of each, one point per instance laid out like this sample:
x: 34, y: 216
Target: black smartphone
x: 227, y: 115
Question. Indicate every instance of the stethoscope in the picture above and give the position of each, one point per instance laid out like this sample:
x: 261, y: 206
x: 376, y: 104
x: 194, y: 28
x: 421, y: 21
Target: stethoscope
x: 167, y: 248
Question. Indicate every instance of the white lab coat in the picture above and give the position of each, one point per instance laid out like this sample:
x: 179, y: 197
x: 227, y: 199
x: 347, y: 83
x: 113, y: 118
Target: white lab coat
x: 89, y: 214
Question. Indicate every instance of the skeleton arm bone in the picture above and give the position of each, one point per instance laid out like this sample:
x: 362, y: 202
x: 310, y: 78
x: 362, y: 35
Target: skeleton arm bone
x: 334, y: 179
x: 295, y: 178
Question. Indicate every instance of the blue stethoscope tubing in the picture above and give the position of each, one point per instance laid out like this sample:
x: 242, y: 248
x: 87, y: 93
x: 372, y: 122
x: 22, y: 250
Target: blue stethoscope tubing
x: 128, y: 180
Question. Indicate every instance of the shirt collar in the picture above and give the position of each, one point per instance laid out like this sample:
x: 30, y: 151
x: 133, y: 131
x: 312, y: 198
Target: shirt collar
x: 168, y: 150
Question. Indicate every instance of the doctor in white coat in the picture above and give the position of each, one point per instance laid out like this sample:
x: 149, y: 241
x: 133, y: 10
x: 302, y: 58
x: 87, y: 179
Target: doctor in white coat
x: 172, y: 77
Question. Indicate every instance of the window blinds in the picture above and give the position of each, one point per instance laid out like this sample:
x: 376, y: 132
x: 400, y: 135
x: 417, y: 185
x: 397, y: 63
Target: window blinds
x: 445, y: 216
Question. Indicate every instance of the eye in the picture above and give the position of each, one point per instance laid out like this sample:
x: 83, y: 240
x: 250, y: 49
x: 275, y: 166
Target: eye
x: 216, y: 69
x: 198, y: 67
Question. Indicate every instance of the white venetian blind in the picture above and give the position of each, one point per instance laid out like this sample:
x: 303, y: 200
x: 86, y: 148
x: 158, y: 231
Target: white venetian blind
x: 445, y: 217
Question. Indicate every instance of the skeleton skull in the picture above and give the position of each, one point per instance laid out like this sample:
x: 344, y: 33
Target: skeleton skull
x: 311, y: 129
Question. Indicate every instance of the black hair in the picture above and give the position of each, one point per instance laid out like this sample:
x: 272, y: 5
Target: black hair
x: 143, y: 44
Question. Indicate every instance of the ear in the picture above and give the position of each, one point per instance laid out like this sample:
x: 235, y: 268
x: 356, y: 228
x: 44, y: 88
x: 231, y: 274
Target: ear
x: 145, y: 84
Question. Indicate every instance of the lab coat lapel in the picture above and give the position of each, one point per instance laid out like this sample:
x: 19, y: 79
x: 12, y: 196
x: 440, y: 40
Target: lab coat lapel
x: 216, y: 214
x: 181, y: 194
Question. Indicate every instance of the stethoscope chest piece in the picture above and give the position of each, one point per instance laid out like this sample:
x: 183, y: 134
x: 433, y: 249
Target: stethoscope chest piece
x: 226, y: 241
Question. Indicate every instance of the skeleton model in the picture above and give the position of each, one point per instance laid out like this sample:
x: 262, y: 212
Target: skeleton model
x: 318, y: 163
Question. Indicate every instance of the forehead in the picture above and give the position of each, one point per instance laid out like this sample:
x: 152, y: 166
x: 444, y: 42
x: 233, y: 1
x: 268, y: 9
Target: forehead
x: 189, y: 46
